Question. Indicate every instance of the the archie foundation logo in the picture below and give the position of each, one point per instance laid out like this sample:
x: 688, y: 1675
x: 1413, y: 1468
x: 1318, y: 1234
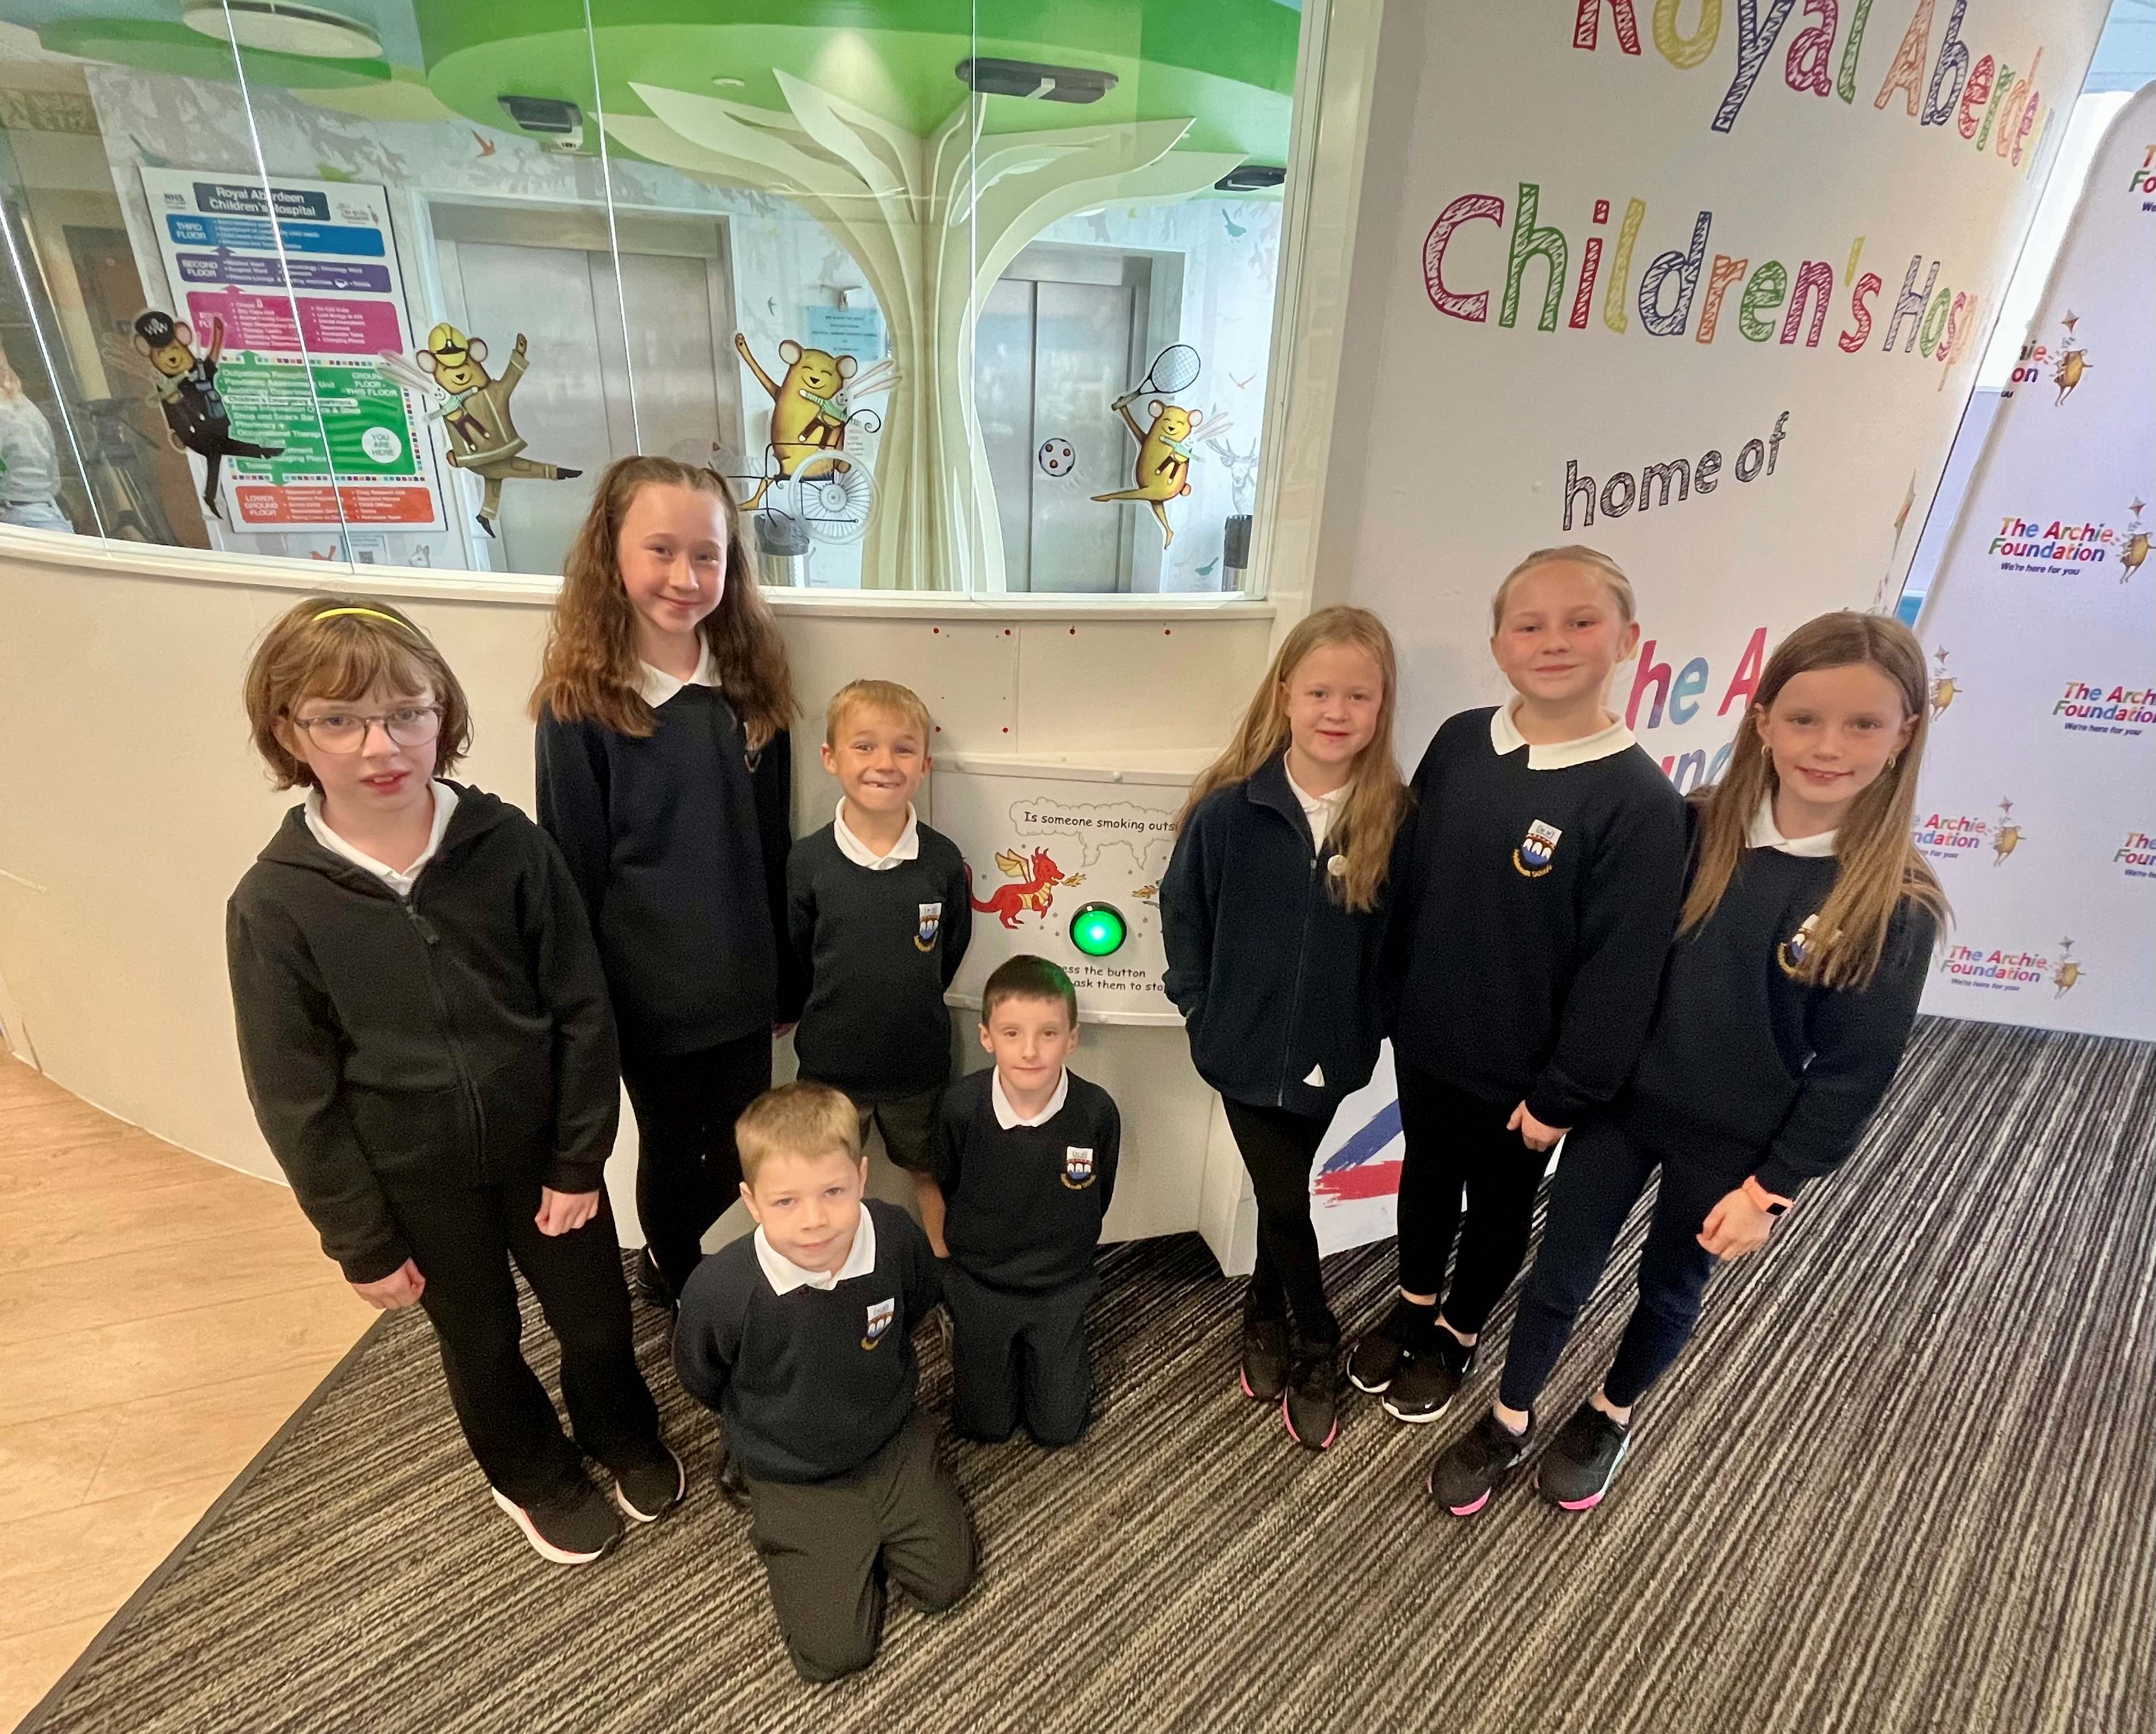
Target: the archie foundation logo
x: 1945, y: 688
x: 2144, y: 180
x: 2136, y: 857
x: 2055, y: 545
x: 1956, y: 836
x: 1999, y: 970
x: 2091, y: 708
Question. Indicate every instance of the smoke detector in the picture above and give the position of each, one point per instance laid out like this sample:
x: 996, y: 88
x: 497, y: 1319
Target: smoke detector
x: 277, y: 27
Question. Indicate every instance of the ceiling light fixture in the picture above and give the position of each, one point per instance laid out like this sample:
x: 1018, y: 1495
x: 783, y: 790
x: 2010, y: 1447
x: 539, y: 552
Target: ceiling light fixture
x: 276, y: 26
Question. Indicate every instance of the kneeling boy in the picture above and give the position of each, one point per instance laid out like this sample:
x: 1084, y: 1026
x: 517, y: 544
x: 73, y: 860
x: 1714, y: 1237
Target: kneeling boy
x: 800, y: 1337
x: 1025, y: 1152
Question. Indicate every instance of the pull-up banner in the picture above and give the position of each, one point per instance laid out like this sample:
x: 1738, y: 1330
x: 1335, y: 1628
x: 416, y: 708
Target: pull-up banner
x: 1703, y: 285
x: 2038, y: 804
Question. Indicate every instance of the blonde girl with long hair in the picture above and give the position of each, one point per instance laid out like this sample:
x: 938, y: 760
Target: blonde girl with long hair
x: 1807, y: 930
x: 1273, y: 912
x: 665, y: 774
x: 1537, y: 895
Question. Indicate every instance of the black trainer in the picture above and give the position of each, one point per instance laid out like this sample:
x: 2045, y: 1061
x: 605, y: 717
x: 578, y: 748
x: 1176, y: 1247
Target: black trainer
x: 1264, y: 1357
x: 1583, y: 1460
x: 650, y: 1286
x: 1467, y: 1472
x: 572, y: 1527
x: 648, y: 1491
x: 1407, y: 1331
x: 1310, y: 1408
x: 1429, y: 1379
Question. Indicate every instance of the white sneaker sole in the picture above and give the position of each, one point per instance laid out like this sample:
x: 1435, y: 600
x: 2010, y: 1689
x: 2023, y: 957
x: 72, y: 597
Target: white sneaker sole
x: 1418, y: 1420
x: 680, y: 1487
x: 540, y: 1545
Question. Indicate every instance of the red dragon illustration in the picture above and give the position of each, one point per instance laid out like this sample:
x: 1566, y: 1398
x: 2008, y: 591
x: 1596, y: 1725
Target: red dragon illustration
x: 1036, y: 893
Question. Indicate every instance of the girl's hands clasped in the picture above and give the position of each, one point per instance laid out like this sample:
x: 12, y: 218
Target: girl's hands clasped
x: 1532, y: 1132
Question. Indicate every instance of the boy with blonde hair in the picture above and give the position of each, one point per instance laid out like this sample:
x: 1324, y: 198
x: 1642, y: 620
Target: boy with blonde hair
x: 879, y: 917
x: 799, y: 1337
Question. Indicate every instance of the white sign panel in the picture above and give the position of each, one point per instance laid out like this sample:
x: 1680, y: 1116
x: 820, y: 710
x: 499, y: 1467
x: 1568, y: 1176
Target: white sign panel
x: 302, y: 300
x: 2038, y: 804
x: 1067, y: 868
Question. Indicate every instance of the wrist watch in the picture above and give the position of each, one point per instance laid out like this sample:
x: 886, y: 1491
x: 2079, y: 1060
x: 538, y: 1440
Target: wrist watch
x: 1773, y: 1203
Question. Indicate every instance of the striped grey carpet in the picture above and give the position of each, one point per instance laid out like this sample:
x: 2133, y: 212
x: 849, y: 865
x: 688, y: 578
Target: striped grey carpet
x: 1905, y: 1480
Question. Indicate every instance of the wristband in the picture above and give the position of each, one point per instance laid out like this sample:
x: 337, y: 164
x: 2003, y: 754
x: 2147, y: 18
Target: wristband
x: 1773, y: 1203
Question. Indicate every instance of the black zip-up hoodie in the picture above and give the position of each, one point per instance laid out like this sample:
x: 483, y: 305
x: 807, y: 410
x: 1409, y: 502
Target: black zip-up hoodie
x: 457, y: 1037
x: 1277, y: 983
x: 678, y: 843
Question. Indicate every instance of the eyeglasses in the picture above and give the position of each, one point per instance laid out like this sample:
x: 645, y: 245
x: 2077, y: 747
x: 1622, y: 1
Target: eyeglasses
x: 340, y: 731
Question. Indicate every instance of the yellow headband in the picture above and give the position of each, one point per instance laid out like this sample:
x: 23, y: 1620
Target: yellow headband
x: 364, y: 614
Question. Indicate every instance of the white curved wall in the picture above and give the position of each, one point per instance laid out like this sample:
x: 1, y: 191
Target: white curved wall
x: 131, y: 802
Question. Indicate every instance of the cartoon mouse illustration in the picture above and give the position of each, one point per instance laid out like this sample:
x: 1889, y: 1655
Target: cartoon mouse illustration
x: 809, y: 411
x: 2073, y: 365
x: 1163, y: 464
x: 196, y: 420
x: 483, y: 436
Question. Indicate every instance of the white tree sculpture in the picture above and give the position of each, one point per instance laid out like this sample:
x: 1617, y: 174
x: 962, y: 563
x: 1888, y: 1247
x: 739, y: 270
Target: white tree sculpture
x: 932, y: 222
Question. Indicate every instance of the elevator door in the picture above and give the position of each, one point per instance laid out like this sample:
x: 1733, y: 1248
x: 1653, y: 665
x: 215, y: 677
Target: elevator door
x: 1051, y: 355
x: 585, y: 399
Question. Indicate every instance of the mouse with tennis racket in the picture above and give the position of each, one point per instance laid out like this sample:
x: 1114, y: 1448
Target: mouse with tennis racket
x: 1167, y: 445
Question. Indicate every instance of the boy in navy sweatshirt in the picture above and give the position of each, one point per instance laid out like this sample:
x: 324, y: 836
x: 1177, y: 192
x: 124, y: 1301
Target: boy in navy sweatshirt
x: 877, y: 912
x: 800, y: 1337
x: 1025, y: 1153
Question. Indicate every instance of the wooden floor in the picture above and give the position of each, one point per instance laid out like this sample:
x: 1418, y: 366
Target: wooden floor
x: 160, y: 1316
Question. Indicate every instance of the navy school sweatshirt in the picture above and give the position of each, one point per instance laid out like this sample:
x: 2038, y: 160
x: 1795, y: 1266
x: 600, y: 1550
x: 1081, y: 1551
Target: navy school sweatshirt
x: 1538, y: 890
x: 1276, y: 982
x: 457, y: 1037
x: 677, y: 844
x: 1748, y: 1068
x: 878, y: 947
x: 1025, y: 1203
x: 815, y: 1381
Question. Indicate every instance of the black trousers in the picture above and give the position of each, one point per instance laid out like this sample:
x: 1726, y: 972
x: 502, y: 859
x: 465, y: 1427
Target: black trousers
x: 1603, y: 1171
x: 827, y: 1547
x: 1018, y: 1357
x: 463, y: 1240
x: 1457, y: 1141
x: 688, y: 1169
x: 1278, y: 1147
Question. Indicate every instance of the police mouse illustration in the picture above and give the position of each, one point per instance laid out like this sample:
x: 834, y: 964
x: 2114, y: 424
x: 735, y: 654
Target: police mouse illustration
x: 483, y: 436
x: 196, y: 420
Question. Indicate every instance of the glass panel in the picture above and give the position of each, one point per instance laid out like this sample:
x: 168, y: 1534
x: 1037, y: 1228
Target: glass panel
x: 915, y: 273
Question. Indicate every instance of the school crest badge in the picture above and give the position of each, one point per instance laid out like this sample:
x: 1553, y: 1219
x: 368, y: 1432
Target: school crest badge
x: 880, y: 1314
x: 1077, y: 1166
x: 1793, y: 952
x: 1532, y: 858
x: 925, y: 931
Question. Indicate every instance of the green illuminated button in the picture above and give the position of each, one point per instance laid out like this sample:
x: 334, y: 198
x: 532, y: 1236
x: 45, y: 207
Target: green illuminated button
x: 1099, y: 929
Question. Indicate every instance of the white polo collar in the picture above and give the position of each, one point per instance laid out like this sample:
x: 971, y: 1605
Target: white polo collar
x: 446, y: 803
x: 906, y: 848
x: 1765, y: 834
x: 785, y: 1276
x: 1008, y: 1117
x: 1504, y: 737
x: 658, y: 686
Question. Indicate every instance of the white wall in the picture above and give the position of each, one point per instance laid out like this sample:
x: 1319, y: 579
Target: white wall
x: 131, y: 802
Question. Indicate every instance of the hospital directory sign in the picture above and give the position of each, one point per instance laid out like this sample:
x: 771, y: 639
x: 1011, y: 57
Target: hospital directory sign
x: 301, y: 279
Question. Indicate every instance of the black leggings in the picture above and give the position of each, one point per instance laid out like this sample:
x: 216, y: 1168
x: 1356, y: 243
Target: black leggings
x: 1456, y: 1140
x: 688, y: 1169
x: 1278, y: 1147
x: 1603, y: 1171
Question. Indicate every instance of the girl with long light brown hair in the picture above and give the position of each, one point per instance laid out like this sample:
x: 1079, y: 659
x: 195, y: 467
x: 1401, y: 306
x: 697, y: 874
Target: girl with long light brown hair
x: 1786, y: 1001
x: 1273, y: 910
x: 665, y: 774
